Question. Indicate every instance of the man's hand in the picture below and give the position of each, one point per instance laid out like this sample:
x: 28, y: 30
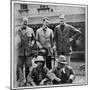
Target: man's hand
x: 32, y: 43
x: 39, y: 45
x: 54, y: 48
x: 70, y: 39
x: 33, y: 83
x: 51, y: 50
x: 69, y: 81
x: 58, y: 79
x: 42, y: 82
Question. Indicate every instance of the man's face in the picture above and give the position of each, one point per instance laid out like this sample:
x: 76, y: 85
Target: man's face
x: 24, y: 27
x: 61, y: 65
x: 39, y: 64
x: 24, y: 24
x: 61, y: 20
x: 45, y: 23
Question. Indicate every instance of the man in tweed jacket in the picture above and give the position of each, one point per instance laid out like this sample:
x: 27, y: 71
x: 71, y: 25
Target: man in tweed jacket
x: 63, y: 36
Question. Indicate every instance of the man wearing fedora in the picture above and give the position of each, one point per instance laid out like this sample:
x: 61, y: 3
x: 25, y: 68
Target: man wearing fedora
x: 44, y: 36
x: 62, y: 73
x: 38, y: 74
x: 64, y: 35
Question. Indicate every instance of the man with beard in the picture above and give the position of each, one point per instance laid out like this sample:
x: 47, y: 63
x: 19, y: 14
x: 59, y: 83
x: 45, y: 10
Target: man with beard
x: 44, y: 37
x: 26, y: 36
x: 38, y: 74
x: 64, y: 35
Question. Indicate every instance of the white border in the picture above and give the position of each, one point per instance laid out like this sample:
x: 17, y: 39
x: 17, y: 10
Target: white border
x: 12, y: 42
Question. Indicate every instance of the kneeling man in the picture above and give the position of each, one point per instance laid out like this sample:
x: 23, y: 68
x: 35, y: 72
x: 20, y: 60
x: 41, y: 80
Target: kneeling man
x: 38, y: 74
x: 62, y: 73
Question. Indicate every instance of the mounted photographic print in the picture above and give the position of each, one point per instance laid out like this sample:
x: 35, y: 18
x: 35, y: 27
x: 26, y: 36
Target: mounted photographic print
x: 48, y: 44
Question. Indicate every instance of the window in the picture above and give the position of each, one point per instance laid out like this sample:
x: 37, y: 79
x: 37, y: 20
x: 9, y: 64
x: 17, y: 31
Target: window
x: 24, y: 6
x: 43, y: 7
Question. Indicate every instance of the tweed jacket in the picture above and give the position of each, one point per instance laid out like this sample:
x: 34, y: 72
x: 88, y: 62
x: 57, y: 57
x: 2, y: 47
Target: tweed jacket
x: 24, y: 48
x: 45, y: 38
x: 63, y: 45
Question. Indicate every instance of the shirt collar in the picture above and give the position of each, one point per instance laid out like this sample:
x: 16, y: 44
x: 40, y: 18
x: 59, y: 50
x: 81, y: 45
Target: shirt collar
x: 63, y: 69
x: 63, y: 24
x: 45, y: 29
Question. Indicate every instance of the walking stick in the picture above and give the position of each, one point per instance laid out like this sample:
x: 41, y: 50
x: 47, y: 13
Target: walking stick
x: 24, y: 79
x: 53, y: 59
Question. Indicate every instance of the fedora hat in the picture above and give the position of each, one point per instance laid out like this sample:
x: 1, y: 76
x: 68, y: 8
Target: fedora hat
x: 39, y: 59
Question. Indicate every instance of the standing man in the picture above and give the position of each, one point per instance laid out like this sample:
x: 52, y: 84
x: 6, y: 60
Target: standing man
x: 63, y: 36
x: 24, y: 62
x: 44, y: 36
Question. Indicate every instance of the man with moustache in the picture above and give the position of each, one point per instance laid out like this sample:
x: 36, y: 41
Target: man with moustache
x: 38, y: 74
x: 24, y: 62
x: 64, y: 35
x: 62, y: 73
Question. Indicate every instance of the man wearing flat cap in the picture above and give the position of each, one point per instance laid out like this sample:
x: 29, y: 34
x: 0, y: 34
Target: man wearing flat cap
x: 64, y: 35
x: 44, y: 37
x: 38, y: 74
x: 62, y: 72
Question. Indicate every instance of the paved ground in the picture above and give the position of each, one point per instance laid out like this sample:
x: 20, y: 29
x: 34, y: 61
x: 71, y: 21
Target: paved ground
x: 80, y: 80
x: 80, y: 74
x: 76, y: 66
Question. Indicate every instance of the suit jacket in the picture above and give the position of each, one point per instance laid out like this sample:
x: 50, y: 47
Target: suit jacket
x: 62, y: 38
x: 64, y: 76
x: 24, y: 49
x: 45, y: 38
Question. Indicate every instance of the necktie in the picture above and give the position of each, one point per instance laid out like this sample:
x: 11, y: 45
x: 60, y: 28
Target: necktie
x: 62, y: 28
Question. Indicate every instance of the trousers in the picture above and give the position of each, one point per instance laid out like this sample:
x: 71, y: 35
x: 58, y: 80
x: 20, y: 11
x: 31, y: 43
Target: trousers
x: 23, y: 64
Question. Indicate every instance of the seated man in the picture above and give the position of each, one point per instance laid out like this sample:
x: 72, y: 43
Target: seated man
x: 62, y: 73
x: 38, y: 74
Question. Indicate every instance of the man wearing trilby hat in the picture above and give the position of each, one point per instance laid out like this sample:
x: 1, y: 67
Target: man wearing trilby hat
x: 64, y: 34
x: 62, y: 72
x: 38, y: 74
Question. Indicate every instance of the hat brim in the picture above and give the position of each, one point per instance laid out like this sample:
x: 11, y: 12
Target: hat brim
x: 39, y: 61
x: 61, y: 62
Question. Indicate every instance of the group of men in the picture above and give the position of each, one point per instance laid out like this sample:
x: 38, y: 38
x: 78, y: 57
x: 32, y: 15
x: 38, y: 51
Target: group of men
x: 42, y: 46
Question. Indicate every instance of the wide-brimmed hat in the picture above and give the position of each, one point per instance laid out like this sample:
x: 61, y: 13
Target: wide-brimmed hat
x: 43, y: 52
x: 39, y: 59
x: 62, y: 59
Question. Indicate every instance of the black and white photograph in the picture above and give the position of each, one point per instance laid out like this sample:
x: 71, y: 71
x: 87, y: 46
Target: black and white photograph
x: 48, y: 44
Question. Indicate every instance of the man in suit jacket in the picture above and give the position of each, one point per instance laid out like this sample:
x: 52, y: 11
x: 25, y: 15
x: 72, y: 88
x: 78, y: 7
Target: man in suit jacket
x: 64, y: 34
x: 44, y: 37
x: 26, y: 36
x: 62, y: 73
